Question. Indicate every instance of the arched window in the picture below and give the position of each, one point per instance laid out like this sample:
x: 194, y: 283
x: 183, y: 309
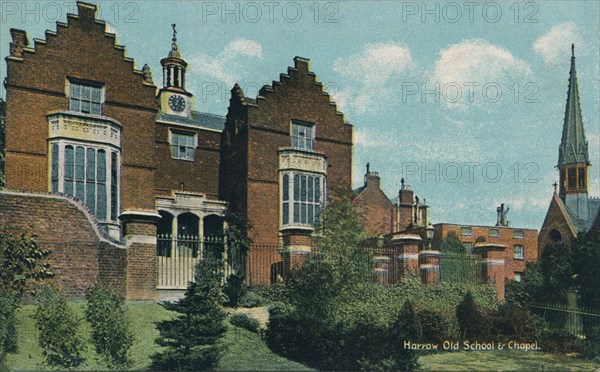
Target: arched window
x: 555, y: 236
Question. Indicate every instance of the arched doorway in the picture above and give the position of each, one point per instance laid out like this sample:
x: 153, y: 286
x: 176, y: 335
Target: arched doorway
x: 164, y: 231
x: 187, y: 235
x: 213, y: 237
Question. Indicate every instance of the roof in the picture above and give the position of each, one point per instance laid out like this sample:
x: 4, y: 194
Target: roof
x: 198, y: 119
x: 584, y: 223
x: 573, y: 145
x: 483, y: 226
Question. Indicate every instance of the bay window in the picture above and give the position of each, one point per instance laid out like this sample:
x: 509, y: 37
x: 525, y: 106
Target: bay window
x: 302, y: 198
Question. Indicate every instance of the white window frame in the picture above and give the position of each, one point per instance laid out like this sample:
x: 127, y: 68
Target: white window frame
x: 302, y: 210
x: 465, y: 228
x: 57, y: 185
x: 494, y: 233
x: 518, y: 252
x: 518, y: 234
x: 75, y: 93
x: 303, y: 135
x: 176, y: 148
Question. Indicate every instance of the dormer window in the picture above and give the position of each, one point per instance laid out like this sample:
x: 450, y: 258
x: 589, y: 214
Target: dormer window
x: 85, y: 97
x: 303, y: 135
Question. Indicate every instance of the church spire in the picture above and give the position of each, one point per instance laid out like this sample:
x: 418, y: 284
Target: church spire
x: 573, y: 146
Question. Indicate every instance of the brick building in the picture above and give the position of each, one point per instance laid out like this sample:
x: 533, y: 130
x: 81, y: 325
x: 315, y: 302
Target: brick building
x: 154, y: 176
x: 572, y: 210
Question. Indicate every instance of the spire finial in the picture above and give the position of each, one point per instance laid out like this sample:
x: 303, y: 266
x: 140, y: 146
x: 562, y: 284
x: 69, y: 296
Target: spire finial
x: 174, y: 45
x: 555, y: 185
x: 368, y: 166
x: 573, y: 50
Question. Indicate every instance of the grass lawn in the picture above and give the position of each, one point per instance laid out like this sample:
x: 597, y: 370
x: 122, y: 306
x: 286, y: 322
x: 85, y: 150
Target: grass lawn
x: 508, y: 360
x: 247, y: 351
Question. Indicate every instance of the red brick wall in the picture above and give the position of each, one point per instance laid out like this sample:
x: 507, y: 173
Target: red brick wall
x: 512, y: 265
x: 556, y: 218
x: 376, y: 208
x: 79, y: 257
x: 201, y: 175
x: 251, y: 165
x: 80, y: 50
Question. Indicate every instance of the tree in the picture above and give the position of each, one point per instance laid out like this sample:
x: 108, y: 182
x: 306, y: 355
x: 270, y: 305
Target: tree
x: 59, y: 330
x: 340, y: 233
x: 451, y: 244
x: 586, y: 269
x: 21, y: 261
x: 556, y: 268
x: 191, y: 340
x: 110, y: 331
x: 471, y: 319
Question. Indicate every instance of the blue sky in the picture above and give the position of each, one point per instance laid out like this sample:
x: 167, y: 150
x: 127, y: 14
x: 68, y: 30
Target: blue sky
x: 465, y: 100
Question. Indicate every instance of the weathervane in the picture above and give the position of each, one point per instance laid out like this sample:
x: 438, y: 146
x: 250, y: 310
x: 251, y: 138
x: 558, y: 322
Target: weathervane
x: 174, y: 36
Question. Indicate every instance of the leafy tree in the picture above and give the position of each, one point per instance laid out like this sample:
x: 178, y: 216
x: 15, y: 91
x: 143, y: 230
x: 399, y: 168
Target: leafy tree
x: 451, y: 244
x: 471, y: 319
x: 529, y: 289
x: 191, y: 340
x: 586, y: 269
x: 59, y: 330
x: 556, y: 270
x: 110, y: 330
x: 21, y: 261
x: 235, y: 290
x: 340, y: 234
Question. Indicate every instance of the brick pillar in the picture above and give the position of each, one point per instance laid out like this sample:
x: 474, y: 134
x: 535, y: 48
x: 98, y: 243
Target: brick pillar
x: 406, y: 247
x: 297, y: 245
x: 429, y: 264
x: 139, y: 228
x: 492, y: 260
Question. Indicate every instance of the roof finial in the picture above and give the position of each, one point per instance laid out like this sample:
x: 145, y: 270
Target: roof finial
x: 555, y: 185
x: 174, y: 45
x: 368, y: 166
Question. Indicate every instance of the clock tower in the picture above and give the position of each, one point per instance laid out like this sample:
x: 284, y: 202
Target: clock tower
x: 173, y: 98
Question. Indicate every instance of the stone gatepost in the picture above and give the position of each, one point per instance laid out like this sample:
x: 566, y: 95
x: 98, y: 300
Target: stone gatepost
x: 492, y: 261
x: 406, y: 253
x: 139, y: 230
x: 429, y: 264
x: 297, y: 245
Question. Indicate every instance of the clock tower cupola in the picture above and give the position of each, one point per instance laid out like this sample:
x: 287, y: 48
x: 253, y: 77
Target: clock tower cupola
x: 173, y: 98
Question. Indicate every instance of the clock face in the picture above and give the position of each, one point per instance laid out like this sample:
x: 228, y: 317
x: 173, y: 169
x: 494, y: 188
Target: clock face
x: 177, y: 103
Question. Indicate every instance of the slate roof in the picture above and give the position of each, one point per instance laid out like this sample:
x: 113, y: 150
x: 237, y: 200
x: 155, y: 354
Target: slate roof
x: 583, y: 224
x: 573, y: 145
x: 198, y: 119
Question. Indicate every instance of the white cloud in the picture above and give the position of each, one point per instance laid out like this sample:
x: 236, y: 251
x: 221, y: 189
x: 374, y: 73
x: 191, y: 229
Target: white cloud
x: 224, y: 66
x: 471, y: 64
x: 555, y: 46
x: 371, y: 74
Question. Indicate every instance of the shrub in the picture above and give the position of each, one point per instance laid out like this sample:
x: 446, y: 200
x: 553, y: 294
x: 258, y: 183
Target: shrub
x: 234, y: 289
x: 471, y: 319
x: 191, y: 340
x: 59, y: 330
x: 8, y: 335
x: 252, y: 299
x: 110, y: 329
x: 436, y: 328
x: 244, y: 321
x: 515, y: 323
x: 590, y: 347
x: 559, y: 342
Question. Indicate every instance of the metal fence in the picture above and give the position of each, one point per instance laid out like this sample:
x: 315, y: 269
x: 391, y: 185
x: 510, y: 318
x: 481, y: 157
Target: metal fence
x: 572, y: 319
x: 264, y: 265
x: 178, y: 256
x: 461, y: 268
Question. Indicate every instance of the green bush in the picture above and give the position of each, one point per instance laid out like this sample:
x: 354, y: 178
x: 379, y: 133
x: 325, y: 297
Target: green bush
x: 252, y: 299
x: 234, y: 289
x: 436, y: 328
x: 515, y: 323
x: 8, y: 329
x: 270, y: 294
x: 473, y: 322
x: 59, y: 330
x: 244, y: 321
x: 110, y: 328
x: 192, y: 339
x: 559, y: 342
x: 590, y: 347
